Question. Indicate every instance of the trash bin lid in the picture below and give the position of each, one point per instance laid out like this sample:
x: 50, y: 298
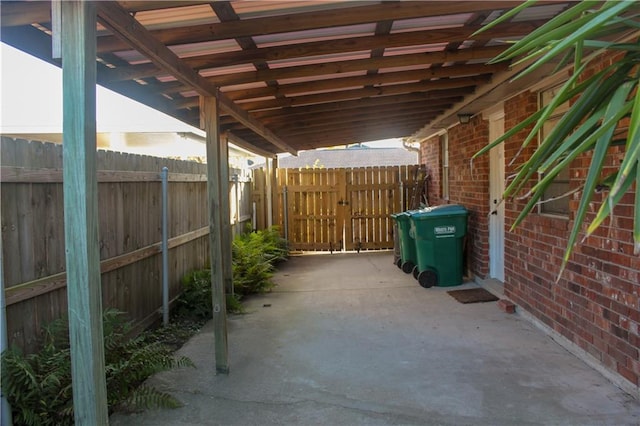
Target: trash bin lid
x: 400, y: 217
x: 442, y: 210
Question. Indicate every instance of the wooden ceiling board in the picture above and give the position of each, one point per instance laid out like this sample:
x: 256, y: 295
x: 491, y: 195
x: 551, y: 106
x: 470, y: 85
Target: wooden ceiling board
x: 295, y: 75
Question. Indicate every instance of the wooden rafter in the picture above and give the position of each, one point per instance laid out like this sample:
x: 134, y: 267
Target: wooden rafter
x: 330, y: 85
x: 357, y: 44
x: 292, y: 65
x: 309, y: 20
x: 114, y: 17
x: 327, y: 68
x: 366, y: 92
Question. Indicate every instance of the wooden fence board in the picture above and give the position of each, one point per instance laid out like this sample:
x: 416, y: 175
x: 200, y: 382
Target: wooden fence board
x: 129, y: 200
x: 333, y: 209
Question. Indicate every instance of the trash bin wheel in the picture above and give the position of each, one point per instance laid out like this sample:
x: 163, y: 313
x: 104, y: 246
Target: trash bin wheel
x: 415, y: 272
x: 399, y: 263
x: 407, y: 267
x: 428, y: 278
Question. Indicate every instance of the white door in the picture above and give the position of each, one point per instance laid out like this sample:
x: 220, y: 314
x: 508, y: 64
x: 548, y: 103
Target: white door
x: 496, y: 207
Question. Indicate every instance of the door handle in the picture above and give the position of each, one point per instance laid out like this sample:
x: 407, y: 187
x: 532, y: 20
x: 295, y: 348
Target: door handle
x: 495, y: 212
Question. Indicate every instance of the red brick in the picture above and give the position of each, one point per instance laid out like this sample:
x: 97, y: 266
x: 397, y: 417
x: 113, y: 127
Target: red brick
x: 596, y: 302
x: 506, y: 306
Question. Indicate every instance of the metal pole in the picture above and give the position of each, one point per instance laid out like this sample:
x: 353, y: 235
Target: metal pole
x: 254, y: 218
x: 236, y: 187
x: 269, y: 181
x: 5, y: 420
x: 165, y: 248
x: 285, y: 212
x: 401, y: 196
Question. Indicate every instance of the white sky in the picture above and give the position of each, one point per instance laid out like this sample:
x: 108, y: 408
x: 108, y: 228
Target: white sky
x: 31, y: 102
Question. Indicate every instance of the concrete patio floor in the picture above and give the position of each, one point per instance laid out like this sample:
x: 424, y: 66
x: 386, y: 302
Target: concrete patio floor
x: 348, y: 339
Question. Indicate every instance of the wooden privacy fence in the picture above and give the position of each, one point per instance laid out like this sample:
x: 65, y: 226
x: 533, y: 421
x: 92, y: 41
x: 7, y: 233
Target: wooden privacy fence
x: 129, y: 203
x: 342, y: 209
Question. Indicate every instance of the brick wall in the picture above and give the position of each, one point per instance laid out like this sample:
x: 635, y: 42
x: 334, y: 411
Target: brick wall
x: 431, y: 156
x: 595, y: 303
x: 466, y: 186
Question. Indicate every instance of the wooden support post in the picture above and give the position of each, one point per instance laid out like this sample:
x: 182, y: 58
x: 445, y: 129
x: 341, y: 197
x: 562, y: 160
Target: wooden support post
x: 216, y: 229
x: 80, y: 185
x: 225, y: 212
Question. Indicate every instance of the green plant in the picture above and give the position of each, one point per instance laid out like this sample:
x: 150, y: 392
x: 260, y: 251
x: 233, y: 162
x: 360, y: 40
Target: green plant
x: 254, y: 256
x: 234, y: 305
x: 38, y: 386
x: 604, y: 111
x: 130, y: 361
x: 253, y: 263
x: 275, y: 247
x: 195, y: 300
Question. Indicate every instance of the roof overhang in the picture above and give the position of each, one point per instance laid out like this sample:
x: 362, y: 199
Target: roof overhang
x: 298, y: 75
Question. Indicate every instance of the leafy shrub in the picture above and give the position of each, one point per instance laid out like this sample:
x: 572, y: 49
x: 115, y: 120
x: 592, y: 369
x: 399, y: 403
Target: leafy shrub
x: 254, y: 255
x: 252, y: 266
x: 275, y: 247
x: 38, y: 386
x: 195, y: 300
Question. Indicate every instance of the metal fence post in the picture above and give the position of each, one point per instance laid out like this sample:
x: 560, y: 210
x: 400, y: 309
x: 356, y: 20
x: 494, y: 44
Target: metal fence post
x: 165, y: 248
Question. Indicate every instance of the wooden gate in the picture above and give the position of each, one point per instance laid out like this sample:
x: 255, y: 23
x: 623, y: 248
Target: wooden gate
x: 343, y: 209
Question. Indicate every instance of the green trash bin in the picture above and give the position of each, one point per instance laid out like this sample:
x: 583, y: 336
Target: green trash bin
x: 408, y: 258
x: 439, y: 232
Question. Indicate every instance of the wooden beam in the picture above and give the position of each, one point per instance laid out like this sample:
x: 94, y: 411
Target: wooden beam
x: 338, y: 82
x: 216, y: 229
x: 327, y: 68
x: 146, y: 5
x: 245, y: 118
x: 225, y: 211
x: 329, y: 139
x: 361, y: 123
x: 342, y: 95
x: 237, y: 140
x: 436, y: 95
x: 327, y: 119
x: 334, y: 17
x: 371, y: 115
x: 339, y: 67
x: 117, y: 20
x: 84, y: 292
x: 357, y: 44
x: 24, y: 13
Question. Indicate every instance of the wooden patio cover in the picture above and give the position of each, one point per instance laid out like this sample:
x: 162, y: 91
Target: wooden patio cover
x: 275, y: 76
x: 294, y: 75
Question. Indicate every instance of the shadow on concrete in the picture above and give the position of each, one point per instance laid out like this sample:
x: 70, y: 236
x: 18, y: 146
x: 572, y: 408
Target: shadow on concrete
x: 348, y: 339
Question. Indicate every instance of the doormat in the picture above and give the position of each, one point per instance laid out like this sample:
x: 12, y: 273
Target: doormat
x: 473, y: 295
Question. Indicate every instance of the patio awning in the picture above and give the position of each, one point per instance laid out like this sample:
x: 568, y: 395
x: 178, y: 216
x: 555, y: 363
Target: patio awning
x: 295, y: 75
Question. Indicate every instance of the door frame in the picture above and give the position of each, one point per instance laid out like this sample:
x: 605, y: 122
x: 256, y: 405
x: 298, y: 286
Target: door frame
x: 496, y: 189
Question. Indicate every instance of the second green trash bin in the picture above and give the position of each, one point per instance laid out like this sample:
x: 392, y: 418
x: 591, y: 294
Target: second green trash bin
x: 439, y: 232
x: 407, y: 261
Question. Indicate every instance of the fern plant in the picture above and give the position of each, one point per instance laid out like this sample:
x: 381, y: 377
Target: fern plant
x: 38, y: 386
x: 129, y: 361
x: 254, y: 256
